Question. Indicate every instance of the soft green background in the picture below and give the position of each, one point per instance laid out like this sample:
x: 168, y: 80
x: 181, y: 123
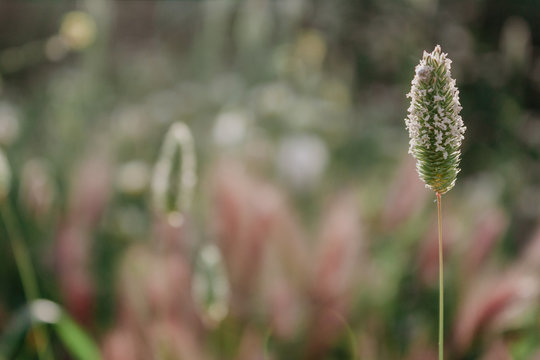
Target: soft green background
x: 251, y: 78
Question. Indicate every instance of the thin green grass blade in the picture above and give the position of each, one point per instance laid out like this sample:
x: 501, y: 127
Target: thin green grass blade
x: 76, y: 340
x: 44, y: 312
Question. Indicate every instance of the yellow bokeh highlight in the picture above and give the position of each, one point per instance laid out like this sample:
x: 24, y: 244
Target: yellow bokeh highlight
x: 78, y: 30
x: 310, y: 49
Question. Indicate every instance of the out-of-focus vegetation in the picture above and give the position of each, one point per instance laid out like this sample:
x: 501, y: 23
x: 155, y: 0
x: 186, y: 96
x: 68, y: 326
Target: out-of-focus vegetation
x: 309, y: 234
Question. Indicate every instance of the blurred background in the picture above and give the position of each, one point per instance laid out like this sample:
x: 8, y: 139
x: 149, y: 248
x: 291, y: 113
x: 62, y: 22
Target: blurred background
x: 283, y: 218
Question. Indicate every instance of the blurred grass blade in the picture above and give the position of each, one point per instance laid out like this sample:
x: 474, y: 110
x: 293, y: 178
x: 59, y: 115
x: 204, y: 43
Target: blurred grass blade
x: 13, y: 335
x: 41, y: 312
x: 75, y: 339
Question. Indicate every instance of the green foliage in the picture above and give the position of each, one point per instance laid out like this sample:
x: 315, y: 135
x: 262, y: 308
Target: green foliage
x: 75, y: 340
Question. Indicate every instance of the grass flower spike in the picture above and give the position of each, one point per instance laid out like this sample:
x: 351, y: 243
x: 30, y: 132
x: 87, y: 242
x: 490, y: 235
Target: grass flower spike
x: 436, y: 130
x: 178, y: 138
x: 435, y: 127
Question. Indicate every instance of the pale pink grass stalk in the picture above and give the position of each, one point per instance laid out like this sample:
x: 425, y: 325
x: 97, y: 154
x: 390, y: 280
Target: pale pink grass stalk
x: 338, y: 254
x: 88, y: 198
x: 486, y: 302
x: 406, y: 196
x: 252, y: 221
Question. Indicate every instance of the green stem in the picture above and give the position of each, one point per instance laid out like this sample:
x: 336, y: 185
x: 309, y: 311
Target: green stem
x: 350, y: 334
x: 26, y: 272
x: 441, y: 281
x: 266, y: 344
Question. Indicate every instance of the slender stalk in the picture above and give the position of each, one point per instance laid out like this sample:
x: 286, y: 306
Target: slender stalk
x: 26, y: 272
x: 441, y: 281
x: 266, y: 344
x: 350, y: 334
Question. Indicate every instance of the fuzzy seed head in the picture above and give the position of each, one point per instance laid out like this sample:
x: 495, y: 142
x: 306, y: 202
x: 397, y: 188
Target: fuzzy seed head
x: 178, y: 138
x: 435, y: 127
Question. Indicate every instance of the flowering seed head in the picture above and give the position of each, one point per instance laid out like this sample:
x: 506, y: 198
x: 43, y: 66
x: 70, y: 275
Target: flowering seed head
x: 177, y: 138
x: 435, y: 127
